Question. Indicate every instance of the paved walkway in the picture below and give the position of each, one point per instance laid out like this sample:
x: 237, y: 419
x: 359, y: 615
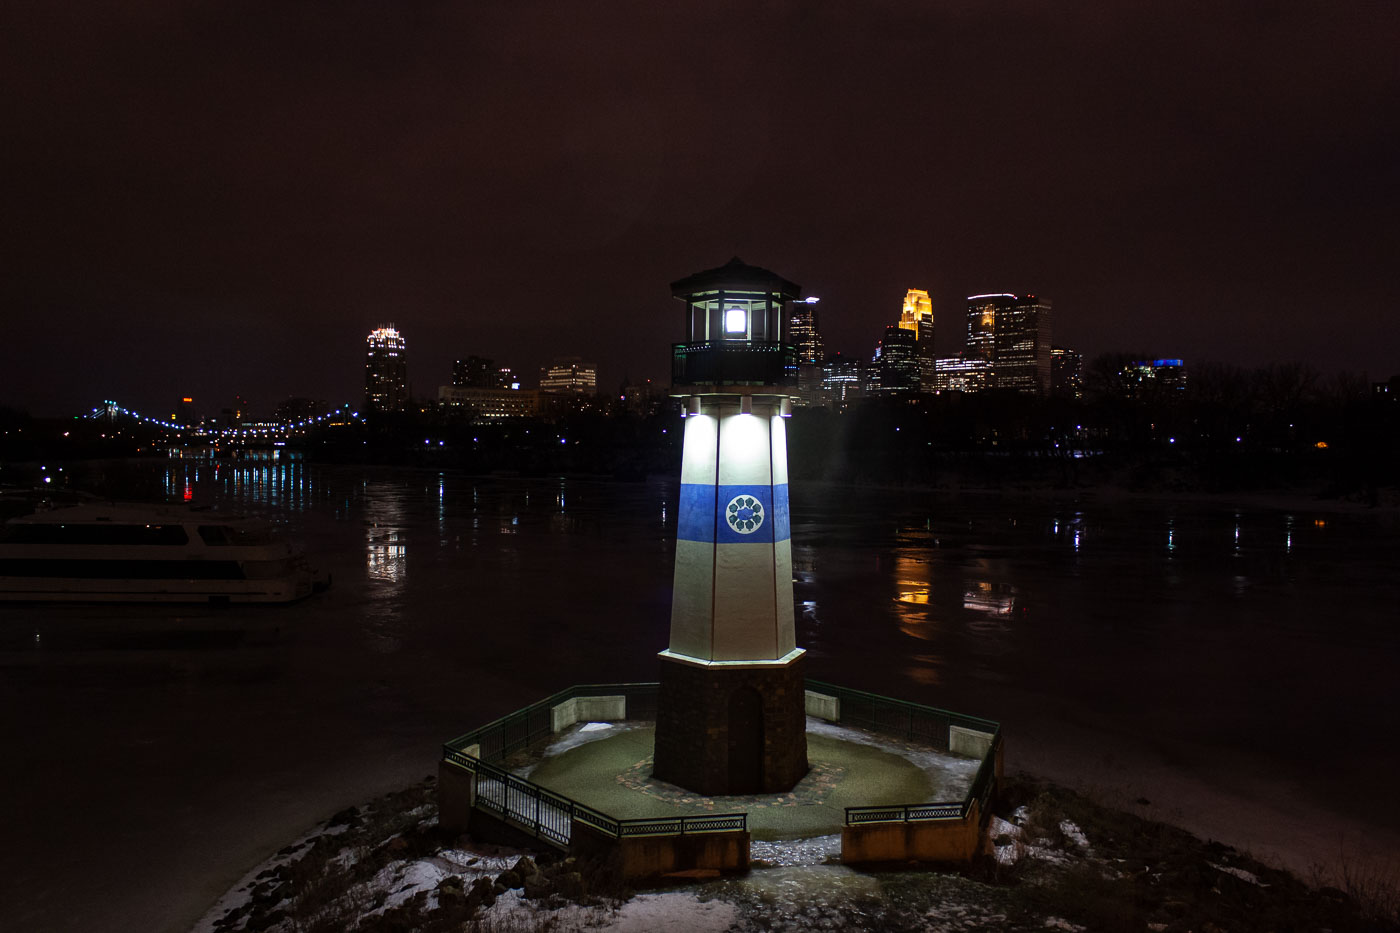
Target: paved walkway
x: 609, y: 769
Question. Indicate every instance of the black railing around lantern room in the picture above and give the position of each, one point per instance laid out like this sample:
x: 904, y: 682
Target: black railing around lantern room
x: 733, y: 362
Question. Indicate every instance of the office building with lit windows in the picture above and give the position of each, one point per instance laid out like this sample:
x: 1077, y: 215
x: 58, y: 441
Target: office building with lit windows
x: 386, y: 370
x: 1142, y: 378
x: 897, y: 361
x: 955, y: 374
x: 804, y: 334
x: 917, y: 317
x: 477, y: 372
x: 806, y: 341
x: 1066, y: 373
x: 484, y: 404
x: 1011, y: 333
x: 843, y: 380
x: 569, y: 374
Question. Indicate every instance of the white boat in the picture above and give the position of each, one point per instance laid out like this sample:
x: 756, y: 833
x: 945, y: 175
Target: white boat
x: 144, y: 553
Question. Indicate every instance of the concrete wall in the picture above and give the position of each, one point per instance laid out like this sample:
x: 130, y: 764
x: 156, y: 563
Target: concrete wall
x: 639, y: 858
x: 969, y: 742
x: 821, y: 706
x: 456, y: 797
x: 587, y: 709
x: 914, y: 841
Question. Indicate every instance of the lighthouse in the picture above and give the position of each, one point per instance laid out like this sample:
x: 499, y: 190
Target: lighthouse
x: 731, y: 708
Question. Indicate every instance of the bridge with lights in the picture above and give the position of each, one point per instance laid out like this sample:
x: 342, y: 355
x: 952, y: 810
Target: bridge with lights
x: 256, y: 434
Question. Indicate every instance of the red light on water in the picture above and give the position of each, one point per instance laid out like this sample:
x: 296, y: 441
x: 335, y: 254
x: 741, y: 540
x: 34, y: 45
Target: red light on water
x: 189, y: 491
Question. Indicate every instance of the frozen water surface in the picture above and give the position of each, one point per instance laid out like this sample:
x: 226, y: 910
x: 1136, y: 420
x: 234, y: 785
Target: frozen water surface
x: 1166, y: 651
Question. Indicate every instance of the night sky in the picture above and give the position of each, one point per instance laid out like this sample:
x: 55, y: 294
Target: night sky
x: 209, y: 198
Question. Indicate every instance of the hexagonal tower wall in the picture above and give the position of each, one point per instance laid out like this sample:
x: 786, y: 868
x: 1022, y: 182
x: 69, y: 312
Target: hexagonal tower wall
x: 730, y: 713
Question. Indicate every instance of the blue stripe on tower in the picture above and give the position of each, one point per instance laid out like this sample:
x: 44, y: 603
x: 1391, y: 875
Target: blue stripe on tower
x: 745, y: 514
x: 782, y: 522
x: 697, y: 515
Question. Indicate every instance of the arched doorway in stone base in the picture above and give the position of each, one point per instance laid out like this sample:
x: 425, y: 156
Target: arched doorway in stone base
x: 745, y: 741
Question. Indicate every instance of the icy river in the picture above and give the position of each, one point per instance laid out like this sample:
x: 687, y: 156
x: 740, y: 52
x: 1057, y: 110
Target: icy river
x: 1228, y: 668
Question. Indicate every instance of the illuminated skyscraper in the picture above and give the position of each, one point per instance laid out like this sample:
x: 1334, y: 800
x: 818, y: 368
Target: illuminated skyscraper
x: 917, y: 317
x: 386, y: 370
x: 806, y: 339
x: 1011, y: 333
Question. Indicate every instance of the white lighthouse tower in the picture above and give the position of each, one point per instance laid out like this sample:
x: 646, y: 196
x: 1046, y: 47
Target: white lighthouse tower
x: 730, y: 713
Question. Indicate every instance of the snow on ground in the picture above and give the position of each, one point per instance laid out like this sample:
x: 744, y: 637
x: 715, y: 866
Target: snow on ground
x: 401, y: 880
x: 644, y: 913
x: 952, y: 773
x: 676, y: 910
x: 817, y: 850
x: 1013, y: 844
x: 573, y: 737
x: 1239, y: 873
x: 1074, y: 834
x: 242, y: 892
x: 1009, y: 849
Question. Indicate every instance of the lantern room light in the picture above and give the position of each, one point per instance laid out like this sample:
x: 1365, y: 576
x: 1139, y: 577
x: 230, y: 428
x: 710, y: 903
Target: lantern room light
x: 735, y: 321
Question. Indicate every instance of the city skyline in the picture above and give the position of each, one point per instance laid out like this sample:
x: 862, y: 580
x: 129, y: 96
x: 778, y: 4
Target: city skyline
x: 211, y: 202
x: 388, y: 383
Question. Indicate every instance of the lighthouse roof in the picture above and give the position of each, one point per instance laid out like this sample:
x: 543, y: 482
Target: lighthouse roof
x: 736, y: 275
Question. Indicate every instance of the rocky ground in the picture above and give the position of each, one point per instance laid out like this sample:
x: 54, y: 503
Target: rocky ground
x: 1057, y: 862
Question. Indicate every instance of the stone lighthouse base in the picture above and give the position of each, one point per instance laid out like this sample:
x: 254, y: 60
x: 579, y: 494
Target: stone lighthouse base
x: 731, y: 727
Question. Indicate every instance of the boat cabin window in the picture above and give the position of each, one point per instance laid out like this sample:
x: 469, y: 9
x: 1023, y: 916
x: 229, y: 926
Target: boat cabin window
x: 221, y: 535
x: 94, y: 534
x: 214, y: 534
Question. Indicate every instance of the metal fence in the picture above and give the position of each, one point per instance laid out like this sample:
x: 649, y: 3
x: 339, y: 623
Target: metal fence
x: 535, y: 723
x: 550, y: 816
x: 900, y: 718
x: 926, y: 725
x: 904, y: 813
x: 538, y: 810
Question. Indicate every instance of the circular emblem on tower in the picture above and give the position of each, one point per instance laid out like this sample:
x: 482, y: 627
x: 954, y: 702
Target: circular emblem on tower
x: 744, y: 514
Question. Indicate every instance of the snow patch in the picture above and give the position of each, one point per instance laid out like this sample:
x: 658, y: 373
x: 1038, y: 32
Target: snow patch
x: 345, y: 858
x: 1059, y: 923
x: 400, y: 881
x: 1239, y: 873
x: 817, y: 850
x: 1006, y: 853
x: 996, y: 826
x: 575, y: 736
x: 1074, y: 834
x: 646, y: 913
x: 241, y: 893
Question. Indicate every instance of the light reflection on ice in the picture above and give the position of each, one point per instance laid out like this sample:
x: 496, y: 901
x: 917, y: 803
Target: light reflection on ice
x: 991, y: 599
